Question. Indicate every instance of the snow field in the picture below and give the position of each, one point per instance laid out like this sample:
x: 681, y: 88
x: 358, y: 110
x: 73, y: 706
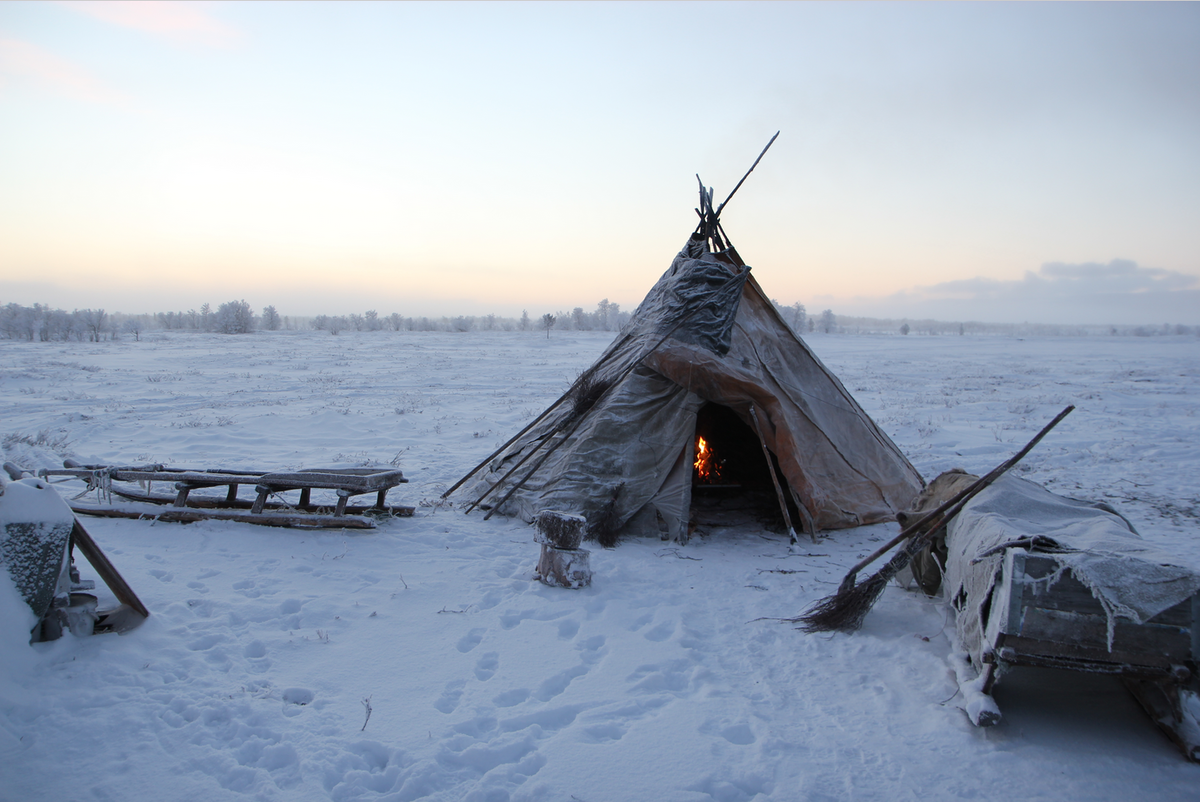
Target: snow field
x: 666, y: 679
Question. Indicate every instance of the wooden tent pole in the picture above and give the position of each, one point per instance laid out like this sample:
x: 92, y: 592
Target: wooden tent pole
x: 559, y: 426
x: 787, y: 518
x: 590, y: 371
x: 747, y: 175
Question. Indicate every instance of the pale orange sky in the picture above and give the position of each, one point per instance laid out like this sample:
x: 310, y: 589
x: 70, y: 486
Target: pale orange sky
x: 470, y: 158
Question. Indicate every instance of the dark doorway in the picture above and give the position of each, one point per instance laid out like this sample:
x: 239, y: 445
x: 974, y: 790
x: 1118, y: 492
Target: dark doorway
x: 731, y: 483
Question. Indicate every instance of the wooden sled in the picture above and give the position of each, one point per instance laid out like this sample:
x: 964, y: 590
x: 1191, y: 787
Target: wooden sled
x: 184, y: 506
x: 1039, y: 619
x: 1038, y: 579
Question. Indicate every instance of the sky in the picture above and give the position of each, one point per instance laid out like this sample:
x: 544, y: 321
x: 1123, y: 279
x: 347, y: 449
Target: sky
x: 992, y: 162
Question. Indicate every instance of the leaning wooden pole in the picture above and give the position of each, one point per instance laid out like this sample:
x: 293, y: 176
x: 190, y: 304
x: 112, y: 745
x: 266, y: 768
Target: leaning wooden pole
x: 587, y: 373
x: 787, y: 518
x: 575, y: 423
x: 106, y: 570
x: 845, y: 610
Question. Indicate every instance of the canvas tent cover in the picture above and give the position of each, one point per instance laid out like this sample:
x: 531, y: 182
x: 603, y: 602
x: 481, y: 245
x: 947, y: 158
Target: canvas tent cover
x: 1129, y: 577
x: 705, y: 332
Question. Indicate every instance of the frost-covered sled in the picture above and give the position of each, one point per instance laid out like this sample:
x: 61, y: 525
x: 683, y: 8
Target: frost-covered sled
x: 1037, y: 579
x: 136, y: 484
x: 38, y: 535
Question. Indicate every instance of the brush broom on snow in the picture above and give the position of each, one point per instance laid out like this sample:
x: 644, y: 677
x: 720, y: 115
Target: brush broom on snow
x: 845, y: 610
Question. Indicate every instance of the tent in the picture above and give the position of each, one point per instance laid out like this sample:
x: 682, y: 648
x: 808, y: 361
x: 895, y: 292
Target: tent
x: 704, y: 356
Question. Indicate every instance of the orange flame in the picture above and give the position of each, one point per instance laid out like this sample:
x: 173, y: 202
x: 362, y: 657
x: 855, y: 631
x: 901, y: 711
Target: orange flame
x: 708, y: 469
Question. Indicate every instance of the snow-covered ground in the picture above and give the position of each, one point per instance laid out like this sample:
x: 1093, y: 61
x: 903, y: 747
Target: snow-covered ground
x: 667, y: 679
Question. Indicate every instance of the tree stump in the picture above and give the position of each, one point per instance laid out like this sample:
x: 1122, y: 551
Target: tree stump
x: 562, y: 530
x: 564, y: 568
x: 563, y: 563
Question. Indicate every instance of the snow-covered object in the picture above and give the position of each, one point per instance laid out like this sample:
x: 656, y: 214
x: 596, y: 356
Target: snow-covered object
x: 670, y: 678
x: 564, y: 568
x: 706, y: 332
x: 560, y: 529
x: 1129, y: 577
x: 35, y: 528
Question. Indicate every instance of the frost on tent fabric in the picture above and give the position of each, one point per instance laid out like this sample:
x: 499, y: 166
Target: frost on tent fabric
x: 705, y: 359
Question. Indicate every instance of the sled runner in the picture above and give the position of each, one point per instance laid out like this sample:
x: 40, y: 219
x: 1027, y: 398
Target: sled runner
x: 136, y: 484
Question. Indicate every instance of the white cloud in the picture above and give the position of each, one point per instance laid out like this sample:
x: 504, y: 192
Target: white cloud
x: 1120, y: 291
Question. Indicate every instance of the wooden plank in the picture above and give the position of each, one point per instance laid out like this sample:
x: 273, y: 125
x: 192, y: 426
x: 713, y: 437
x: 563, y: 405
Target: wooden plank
x: 196, y: 478
x: 1069, y: 594
x: 106, y: 570
x: 349, y: 479
x: 1018, y: 650
x: 176, y: 515
x: 1091, y: 632
x: 1163, y: 702
x: 200, y: 502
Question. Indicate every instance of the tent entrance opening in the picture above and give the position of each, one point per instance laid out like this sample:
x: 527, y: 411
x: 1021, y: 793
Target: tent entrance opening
x: 731, y: 484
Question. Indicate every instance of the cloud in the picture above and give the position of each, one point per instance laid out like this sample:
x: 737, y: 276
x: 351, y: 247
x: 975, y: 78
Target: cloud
x: 24, y: 60
x: 179, y: 22
x: 1120, y: 291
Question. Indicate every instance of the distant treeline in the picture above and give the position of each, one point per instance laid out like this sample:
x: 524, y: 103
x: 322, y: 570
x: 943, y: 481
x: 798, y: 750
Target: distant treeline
x: 45, y: 324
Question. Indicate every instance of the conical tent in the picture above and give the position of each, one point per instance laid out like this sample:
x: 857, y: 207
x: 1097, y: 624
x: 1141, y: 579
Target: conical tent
x: 619, y: 447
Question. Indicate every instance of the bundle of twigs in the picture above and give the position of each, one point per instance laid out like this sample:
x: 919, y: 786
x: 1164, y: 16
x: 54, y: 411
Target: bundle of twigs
x: 845, y: 610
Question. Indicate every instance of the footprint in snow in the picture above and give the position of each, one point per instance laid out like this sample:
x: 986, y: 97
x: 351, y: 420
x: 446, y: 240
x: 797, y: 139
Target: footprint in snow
x: 298, y: 696
x: 661, y: 632
x: 472, y: 639
x: 448, y: 702
x: 511, y: 698
x: 486, y: 667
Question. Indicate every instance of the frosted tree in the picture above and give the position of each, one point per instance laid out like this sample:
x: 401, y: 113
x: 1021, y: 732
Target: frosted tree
x: 798, y: 316
x: 828, y: 321
x: 548, y: 321
x: 524, y: 320
x: 270, y: 319
x: 95, y: 320
x: 602, y: 311
x: 234, y: 317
